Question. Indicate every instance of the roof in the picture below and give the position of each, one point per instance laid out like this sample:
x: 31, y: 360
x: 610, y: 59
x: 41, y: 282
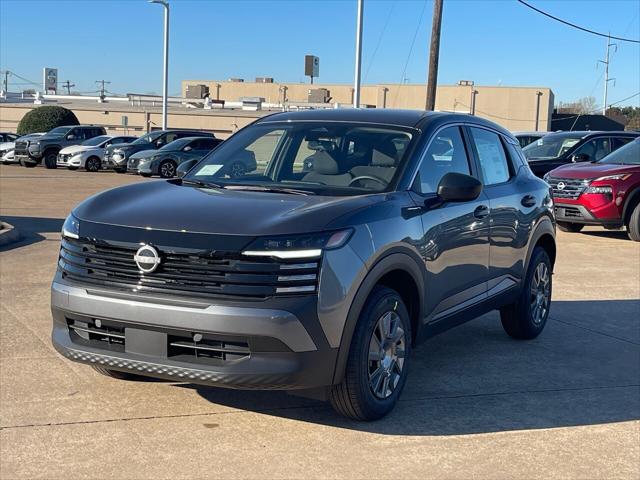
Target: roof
x: 404, y: 118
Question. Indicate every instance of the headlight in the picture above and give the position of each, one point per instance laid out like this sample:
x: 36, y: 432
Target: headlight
x: 605, y: 190
x: 71, y: 227
x: 622, y: 176
x: 297, y: 246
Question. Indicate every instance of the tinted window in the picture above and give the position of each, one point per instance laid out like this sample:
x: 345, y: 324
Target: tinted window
x: 596, y: 149
x: 446, y: 153
x: 78, y: 134
x: 620, y: 141
x: 627, y: 155
x: 493, y: 160
x: 206, y: 144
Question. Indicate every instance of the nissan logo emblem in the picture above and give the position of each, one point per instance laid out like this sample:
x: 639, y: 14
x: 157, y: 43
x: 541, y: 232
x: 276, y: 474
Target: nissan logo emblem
x: 561, y: 186
x: 147, y: 259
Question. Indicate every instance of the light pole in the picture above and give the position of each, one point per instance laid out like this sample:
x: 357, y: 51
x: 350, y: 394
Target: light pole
x: 165, y: 78
x: 356, y: 80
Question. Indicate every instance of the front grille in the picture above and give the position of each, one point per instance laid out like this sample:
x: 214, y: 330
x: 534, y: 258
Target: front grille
x: 568, y: 212
x: 63, y: 158
x: 572, y: 188
x: 97, y: 333
x: 204, y: 347
x: 21, y: 148
x: 194, y: 273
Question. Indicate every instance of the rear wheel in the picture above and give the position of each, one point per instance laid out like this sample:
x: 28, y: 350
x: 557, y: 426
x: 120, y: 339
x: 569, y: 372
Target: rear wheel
x: 633, y: 227
x: 167, y: 169
x: 93, y: 164
x: 378, y: 360
x: 525, y: 319
x: 50, y: 159
x: 570, y: 227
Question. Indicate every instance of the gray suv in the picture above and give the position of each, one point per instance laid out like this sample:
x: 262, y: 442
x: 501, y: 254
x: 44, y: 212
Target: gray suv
x: 31, y: 152
x: 316, y: 281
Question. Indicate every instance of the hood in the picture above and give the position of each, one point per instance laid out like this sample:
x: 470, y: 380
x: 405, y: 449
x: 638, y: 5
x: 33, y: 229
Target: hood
x: 130, y: 147
x: 77, y: 149
x: 47, y: 138
x: 592, y: 170
x: 167, y: 205
x: 7, y: 145
x: 143, y: 154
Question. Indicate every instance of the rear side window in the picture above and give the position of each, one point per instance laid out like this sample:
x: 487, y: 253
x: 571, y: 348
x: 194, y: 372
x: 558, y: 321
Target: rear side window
x: 620, y: 142
x: 446, y: 153
x: 492, y: 157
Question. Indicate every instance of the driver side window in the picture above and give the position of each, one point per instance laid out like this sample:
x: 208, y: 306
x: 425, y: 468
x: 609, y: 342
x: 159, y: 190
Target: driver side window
x: 445, y: 154
x: 596, y: 149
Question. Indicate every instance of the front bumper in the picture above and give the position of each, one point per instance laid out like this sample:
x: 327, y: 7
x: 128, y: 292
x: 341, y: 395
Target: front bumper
x: 576, y: 213
x: 286, y: 348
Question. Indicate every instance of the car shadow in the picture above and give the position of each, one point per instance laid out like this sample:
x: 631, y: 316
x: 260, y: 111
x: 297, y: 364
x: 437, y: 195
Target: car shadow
x: 619, y: 234
x: 31, y: 229
x: 475, y: 379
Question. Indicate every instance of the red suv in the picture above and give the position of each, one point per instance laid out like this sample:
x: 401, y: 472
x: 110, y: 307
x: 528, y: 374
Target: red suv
x: 605, y: 193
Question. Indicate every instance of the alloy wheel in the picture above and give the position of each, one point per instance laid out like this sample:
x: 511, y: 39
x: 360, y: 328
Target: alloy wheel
x: 386, y: 355
x: 167, y: 169
x: 540, y: 293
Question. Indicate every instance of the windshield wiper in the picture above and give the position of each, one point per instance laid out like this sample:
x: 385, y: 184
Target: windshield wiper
x: 259, y: 188
x: 200, y: 183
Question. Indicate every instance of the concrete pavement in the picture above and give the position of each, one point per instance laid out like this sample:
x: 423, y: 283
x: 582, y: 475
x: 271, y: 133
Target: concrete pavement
x: 477, y: 404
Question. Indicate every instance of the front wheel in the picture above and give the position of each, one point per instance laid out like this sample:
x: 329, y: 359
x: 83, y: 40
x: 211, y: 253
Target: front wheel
x: 570, y: 227
x: 167, y: 169
x: 525, y: 319
x: 93, y: 164
x: 50, y: 160
x: 378, y: 360
x: 633, y: 227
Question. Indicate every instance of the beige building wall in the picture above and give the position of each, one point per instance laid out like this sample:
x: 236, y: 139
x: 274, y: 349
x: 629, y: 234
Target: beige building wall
x: 512, y: 107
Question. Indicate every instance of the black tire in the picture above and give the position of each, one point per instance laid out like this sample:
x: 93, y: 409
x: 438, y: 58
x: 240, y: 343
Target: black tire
x: 167, y: 169
x: 50, y: 160
x: 117, y: 374
x: 93, y: 164
x: 570, y: 227
x: 354, y: 397
x: 237, y: 170
x: 519, y: 319
x: 29, y: 165
x: 120, y: 170
x: 633, y: 227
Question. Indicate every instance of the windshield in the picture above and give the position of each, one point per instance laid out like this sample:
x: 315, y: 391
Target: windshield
x: 148, y: 138
x: 327, y: 158
x: 92, y: 142
x: 550, y: 146
x: 627, y: 155
x: 59, y: 131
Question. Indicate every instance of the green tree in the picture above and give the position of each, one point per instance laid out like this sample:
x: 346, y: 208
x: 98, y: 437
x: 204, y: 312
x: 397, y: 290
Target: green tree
x: 43, y: 119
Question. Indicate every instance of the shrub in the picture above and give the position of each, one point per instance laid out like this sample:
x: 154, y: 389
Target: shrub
x: 43, y: 119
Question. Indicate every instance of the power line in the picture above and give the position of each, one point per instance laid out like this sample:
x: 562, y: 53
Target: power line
x: 413, y: 41
x: 384, y: 29
x: 577, y: 26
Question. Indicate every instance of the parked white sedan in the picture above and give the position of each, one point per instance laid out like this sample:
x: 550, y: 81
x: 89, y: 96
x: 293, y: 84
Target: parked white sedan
x: 90, y: 153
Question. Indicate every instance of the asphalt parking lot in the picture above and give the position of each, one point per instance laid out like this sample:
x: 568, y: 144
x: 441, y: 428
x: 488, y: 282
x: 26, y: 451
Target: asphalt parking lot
x: 477, y: 404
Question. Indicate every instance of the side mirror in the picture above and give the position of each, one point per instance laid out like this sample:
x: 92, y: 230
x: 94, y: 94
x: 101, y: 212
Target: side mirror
x: 159, y: 143
x: 71, y: 136
x: 184, y: 167
x: 458, y: 187
x: 187, y: 148
x: 580, y: 157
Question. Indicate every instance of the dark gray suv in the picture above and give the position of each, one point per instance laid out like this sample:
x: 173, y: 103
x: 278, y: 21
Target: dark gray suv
x: 321, y: 282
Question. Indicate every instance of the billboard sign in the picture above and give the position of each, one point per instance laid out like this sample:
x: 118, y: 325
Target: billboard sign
x: 50, y: 80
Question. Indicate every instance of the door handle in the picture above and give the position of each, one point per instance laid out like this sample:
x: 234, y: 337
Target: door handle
x: 528, y: 201
x: 481, y: 212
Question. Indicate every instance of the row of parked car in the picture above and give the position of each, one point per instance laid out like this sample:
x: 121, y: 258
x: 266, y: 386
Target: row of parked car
x: 88, y: 147
x: 595, y: 176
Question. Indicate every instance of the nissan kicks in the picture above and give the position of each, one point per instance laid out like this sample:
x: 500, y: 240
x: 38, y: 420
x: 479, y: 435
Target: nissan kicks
x: 321, y: 281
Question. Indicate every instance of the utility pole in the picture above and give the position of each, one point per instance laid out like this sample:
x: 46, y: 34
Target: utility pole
x: 68, y: 86
x: 538, y: 95
x: 102, y: 89
x: 6, y: 80
x: 356, y: 81
x: 434, y: 54
x: 606, y: 74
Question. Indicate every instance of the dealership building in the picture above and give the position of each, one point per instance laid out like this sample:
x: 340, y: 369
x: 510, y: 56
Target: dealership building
x: 222, y: 107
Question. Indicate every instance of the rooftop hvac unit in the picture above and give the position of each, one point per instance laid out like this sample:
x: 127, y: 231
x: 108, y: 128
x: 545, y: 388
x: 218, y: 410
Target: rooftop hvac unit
x: 264, y: 79
x: 197, y: 91
x: 237, y: 80
x: 319, y: 95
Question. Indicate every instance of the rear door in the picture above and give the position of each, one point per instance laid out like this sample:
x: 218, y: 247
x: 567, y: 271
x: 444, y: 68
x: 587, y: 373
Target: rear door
x: 513, y: 209
x: 455, y: 245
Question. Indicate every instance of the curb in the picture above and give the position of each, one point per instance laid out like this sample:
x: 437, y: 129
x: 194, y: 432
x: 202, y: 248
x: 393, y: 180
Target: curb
x: 8, y: 234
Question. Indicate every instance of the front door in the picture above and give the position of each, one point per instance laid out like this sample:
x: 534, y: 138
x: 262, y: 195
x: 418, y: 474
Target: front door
x: 455, y: 245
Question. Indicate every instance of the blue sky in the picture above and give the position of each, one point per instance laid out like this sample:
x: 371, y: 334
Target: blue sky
x: 490, y: 42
